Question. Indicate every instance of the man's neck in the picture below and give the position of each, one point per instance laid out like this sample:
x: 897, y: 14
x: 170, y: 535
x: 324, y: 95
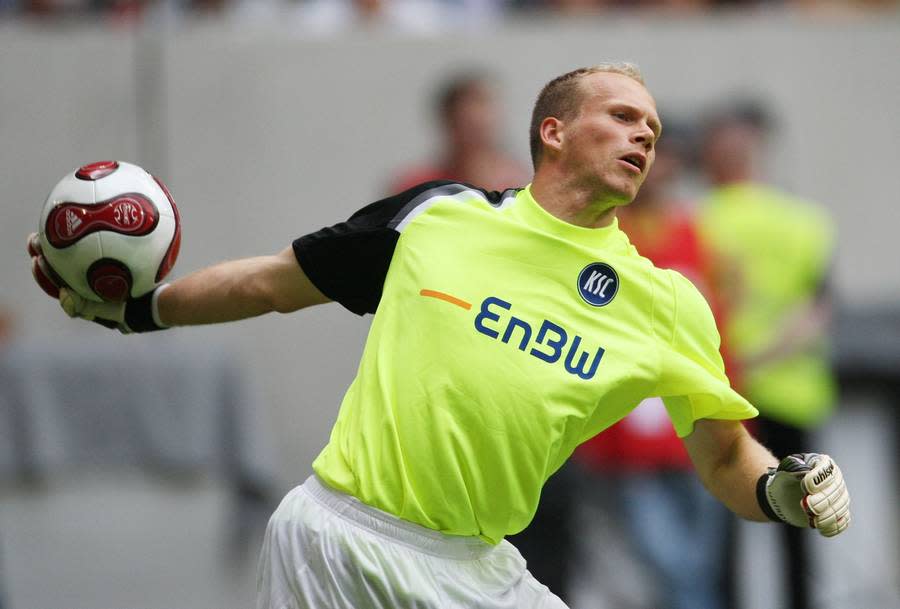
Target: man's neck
x: 571, y: 204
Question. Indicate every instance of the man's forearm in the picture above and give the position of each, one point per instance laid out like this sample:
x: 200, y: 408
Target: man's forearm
x: 220, y: 293
x: 733, y: 474
x: 734, y: 482
x: 238, y: 289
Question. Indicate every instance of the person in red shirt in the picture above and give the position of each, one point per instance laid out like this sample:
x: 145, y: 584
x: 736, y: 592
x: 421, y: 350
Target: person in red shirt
x: 471, y: 152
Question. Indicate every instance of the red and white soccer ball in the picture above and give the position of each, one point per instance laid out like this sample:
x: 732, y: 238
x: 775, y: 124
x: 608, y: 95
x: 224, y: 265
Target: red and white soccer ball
x: 110, y: 231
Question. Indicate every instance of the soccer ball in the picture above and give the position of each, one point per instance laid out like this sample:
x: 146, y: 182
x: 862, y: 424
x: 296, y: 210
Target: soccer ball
x: 110, y: 231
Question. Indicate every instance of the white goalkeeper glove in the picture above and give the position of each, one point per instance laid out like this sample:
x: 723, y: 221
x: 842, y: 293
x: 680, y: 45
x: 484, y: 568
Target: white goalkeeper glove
x: 111, y: 312
x: 134, y: 315
x: 806, y: 490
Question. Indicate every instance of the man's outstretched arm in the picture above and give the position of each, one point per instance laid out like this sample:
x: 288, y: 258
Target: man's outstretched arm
x: 228, y: 291
x: 802, y: 490
x: 238, y: 289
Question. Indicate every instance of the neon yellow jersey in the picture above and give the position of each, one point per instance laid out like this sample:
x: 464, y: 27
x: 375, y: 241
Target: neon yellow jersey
x: 503, y: 338
x: 781, y: 248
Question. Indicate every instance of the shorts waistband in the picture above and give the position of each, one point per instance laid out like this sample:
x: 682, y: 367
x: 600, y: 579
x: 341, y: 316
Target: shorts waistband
x: 409, y: 533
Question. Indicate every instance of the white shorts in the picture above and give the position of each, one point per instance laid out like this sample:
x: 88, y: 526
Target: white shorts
x: 326, y: 550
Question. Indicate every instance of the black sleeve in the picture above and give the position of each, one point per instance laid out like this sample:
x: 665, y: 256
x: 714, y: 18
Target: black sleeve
x: 349, y: 261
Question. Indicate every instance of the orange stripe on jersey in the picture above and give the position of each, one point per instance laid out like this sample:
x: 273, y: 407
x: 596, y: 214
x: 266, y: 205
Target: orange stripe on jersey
x: 446, y: 297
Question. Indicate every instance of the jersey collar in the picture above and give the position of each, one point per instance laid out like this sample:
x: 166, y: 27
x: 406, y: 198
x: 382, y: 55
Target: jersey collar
x: 538, y: 217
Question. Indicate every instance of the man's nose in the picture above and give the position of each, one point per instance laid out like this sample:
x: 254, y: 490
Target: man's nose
x: 644, y: 136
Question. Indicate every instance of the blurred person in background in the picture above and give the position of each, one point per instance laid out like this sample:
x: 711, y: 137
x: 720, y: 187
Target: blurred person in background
x: 777, y: 250
x: 446, y: 435
x: 641, y: 466
x: 469, y: 118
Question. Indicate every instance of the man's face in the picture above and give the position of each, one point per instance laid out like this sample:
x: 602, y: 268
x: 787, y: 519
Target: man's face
x: 610, y: 145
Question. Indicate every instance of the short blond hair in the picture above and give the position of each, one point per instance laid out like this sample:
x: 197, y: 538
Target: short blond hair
x: 561, y: 98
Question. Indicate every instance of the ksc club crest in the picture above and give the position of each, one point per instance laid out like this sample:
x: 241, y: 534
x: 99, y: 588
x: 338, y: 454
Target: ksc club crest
x: 598, y: 284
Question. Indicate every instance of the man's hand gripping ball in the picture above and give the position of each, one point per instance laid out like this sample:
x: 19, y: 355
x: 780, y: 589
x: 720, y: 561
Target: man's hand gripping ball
x: 806, y: 490
x: 111, y: 315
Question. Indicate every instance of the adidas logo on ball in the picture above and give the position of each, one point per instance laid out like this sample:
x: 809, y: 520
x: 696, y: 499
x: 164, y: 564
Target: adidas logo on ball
x: 72, y: 223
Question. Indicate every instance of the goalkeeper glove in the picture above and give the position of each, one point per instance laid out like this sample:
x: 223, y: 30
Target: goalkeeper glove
x: 806, y: 490
x: 134, y: 315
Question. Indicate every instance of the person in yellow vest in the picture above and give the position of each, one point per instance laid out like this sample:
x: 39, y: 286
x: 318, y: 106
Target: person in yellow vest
x: 776, y: 250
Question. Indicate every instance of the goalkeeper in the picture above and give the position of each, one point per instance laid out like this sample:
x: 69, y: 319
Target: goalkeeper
x: 509, y: 327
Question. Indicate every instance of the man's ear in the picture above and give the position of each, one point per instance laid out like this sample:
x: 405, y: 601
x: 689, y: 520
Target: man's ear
x: 552, y: 133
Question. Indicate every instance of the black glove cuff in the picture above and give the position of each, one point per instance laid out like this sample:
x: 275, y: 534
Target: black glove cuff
x: 139, y: 313
x: 763, y: 499
x: 106, y: 323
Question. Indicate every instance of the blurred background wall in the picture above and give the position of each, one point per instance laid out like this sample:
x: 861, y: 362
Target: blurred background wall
x: 263, y: 133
